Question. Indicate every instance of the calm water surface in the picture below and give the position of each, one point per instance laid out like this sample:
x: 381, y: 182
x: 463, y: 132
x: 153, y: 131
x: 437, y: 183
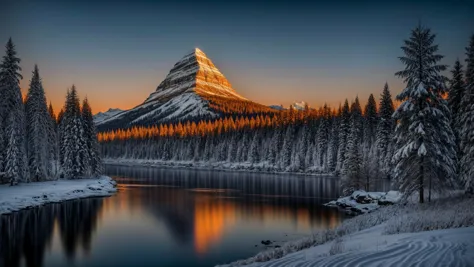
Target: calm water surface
x: 170, y: 217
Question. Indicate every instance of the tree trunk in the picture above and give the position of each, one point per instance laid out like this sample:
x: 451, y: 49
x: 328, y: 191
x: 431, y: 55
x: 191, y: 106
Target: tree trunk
x: 429, y: 190
x: 421, y: 183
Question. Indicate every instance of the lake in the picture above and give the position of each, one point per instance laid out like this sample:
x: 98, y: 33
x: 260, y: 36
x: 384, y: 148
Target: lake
x: 171, y: 217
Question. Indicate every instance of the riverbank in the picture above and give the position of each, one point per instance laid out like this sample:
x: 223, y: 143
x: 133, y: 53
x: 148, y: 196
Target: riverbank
x: 388, y: 231
x: 214, y: 166
x: 27, y: 195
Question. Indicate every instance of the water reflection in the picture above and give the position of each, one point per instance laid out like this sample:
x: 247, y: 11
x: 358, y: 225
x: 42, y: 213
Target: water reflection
x: 26, y: 235
x: 170, y: 217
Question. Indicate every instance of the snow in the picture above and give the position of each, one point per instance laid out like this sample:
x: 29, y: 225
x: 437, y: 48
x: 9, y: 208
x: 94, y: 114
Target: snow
x: 439, y: 233
x: 101, y: 116
x: 277, y: 107
x: 186, y: 105
x: 451, y: 247
x: 26, y: 195
x: 299, y: 105
x: 363, y: 202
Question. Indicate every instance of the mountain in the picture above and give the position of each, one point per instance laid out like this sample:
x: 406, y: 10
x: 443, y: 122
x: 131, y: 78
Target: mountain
x: 299, y: 105
x: 277, y: 107
x: 194, y: 89
x: 101, y: 116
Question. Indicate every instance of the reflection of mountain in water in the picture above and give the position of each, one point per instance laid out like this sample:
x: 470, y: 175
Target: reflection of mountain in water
x: 200, y: 206
x: 27, y: 234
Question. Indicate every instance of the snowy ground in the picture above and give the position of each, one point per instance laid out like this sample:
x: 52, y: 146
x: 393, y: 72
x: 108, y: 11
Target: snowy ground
x: 449, y: 247
x: 440, y: 233
x: 26, y: 195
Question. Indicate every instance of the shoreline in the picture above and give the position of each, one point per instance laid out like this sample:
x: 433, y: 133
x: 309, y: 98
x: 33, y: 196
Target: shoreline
x: 391, y: 223
x: 218, y: 166
x: 29, y: 195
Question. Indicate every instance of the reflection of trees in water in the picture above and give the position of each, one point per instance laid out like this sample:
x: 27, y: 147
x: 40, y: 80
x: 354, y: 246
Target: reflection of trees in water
x: 318, y: 188
x: 28, y: 233
x: 200, y: 205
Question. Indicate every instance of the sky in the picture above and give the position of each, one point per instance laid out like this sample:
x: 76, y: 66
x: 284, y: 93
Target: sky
x: 275, y: 52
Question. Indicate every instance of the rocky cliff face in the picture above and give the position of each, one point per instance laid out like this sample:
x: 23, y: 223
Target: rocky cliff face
x: 194, y: 89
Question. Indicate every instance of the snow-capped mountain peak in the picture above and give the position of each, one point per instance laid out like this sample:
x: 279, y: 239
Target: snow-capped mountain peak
x: 299, y: 105
x: 183, y: 94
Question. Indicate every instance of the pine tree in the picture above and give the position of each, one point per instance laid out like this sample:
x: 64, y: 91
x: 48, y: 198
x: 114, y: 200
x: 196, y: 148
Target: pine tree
x: 12, y: 115
x: 73, y: 137
x: 385, y: 131
x: 352, y: 177
x: 467, y: 123
x: 92, y: 156
x: 425, y: 140
x: 254, y: 146
x: 370, y: 121
x: 38, y: 130
x: 13, y: 165
x: 344, y: 131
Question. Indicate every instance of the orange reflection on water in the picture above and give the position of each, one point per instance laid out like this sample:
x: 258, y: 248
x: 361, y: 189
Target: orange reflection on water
x: 211, y: 217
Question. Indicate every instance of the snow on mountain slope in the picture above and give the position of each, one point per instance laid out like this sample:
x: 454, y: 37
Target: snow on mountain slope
x: 299, y: 105
x: 277, y: 107
x: 101, y: 116
x: 180, y: 96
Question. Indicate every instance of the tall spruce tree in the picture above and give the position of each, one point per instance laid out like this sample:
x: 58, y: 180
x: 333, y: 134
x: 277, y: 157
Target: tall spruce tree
x: 12, y: 115
x: 425, y: 141
x: 467, y: 123
x: 385, y: 131
x: 38, y: 130
x: 370, y: 121
x: 344, y: 131
x: 93, y: 160
x: 74, y: 163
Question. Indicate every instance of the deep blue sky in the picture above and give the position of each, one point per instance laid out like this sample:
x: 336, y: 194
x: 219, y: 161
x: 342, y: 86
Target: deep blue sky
x: 117, y: 52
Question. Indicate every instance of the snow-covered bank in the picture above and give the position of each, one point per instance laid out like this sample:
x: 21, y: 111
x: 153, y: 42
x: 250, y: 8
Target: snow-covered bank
x: 26, y: 195
x: 449, y: 247
x: 199, y: 165
x: 443, y: 213
x: 362, y: 202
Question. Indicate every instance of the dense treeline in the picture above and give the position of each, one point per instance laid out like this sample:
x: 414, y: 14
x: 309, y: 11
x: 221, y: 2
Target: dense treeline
x: 426, y: 143
x: 34, y: 145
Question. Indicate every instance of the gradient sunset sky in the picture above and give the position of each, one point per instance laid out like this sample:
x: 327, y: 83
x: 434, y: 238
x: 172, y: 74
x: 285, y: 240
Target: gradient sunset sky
x: 278, y: 52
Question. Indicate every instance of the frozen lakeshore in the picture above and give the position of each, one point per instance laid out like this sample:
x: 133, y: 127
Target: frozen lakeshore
x: 440, y: 233
x: 26, y: 195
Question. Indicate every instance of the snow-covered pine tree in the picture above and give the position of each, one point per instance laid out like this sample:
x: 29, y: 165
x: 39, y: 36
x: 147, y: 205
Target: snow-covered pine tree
x: 53, y: 140
x: 92, y: 156
x: 72, y: 135
x: 352, y: 177
x: 12, y: 114
x: 38, y: 130
x: 425, y: 141
x: 455, y: 96
x: 467, y: 124
x: 344, y: 130
x: 285, y: 155
x: 13, y: 164
x: 385, y: 131
x: 370, y: 121
x: 254, y: 146
x: 323, y: 137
